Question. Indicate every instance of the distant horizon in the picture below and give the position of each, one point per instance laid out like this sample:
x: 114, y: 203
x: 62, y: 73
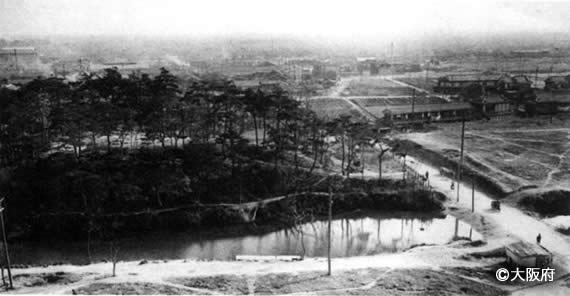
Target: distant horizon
x: 338, y: 20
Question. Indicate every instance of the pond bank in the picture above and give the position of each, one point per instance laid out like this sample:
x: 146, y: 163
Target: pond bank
x: 271, y: 213
x: 353, y: 234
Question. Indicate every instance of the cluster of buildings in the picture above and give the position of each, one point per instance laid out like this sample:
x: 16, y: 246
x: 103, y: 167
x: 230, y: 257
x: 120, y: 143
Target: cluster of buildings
x: 473, y: 96
x: 503, y: 94
x: 19, y: 64
x: 373, y: 66
x: 18, y: 58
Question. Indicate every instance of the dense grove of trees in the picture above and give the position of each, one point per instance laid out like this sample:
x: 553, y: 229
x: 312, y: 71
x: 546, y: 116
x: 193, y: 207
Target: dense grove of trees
x: 108, y: 143
x: 98, y: 111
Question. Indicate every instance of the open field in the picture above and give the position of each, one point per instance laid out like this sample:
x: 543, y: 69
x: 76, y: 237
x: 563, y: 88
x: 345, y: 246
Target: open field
x: 515, y: 152
x: 513, y: 64
x: 420, y: 81
x: 375, y: 86
x: 330, y: 108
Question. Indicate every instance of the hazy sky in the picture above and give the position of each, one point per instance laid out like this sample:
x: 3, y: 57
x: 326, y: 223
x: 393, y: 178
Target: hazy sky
x: 325, y: 18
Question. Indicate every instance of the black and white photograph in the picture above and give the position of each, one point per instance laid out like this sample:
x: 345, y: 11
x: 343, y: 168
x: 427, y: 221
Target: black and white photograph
x: 285, y: 147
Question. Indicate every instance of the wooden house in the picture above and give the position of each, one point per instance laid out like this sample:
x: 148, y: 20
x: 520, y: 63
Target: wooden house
x: 528, y: 255
x: 557, y: 82
x: 492, y: 105
x: 453, y: 84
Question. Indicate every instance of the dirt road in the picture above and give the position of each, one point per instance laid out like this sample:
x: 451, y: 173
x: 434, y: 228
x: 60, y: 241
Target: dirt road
x: 391, y: 79
x: 512, y: 222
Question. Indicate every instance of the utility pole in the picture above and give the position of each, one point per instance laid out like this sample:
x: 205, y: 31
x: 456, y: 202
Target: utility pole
x: 403, y: 155
x: 473, y: 197
x: 456, y: 232
x: 362, y: 158
x: 461, y: 154
x: 427, y: 71
x: 413, y: 103
x: 16, y: 60
x: 329, y: 231
x: 5, y: 240
x: 392, y: 58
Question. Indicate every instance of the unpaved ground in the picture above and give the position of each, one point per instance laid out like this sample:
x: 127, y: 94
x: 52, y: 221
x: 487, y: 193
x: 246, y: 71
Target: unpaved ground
x: 560, y: 223
x: 331, y: 108
x: 515, y: 152
x: 374, y: 86
x: 507, y: 225
x: 385, y: 281
x: 276, y: 278
x: 134, y: 288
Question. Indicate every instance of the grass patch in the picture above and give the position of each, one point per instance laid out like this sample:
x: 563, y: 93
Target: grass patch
x: 230, y: 284
x: 546, y: 203
x: 351, y: 282
x: 134, y: 288
x: 42, y: 279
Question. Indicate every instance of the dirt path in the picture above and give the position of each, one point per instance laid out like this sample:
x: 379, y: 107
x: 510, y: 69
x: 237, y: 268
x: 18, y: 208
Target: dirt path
x: 419, y: 89
x: 557, y: 169
x: 562, y: 129
x: 435, y: 143
x: 512, y: 222
x: 510, y: 143
x: 551, y: 169
x: 343, y: 83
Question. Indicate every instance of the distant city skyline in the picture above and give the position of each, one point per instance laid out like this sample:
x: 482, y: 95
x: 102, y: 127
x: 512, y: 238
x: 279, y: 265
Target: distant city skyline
x: 337, y: 19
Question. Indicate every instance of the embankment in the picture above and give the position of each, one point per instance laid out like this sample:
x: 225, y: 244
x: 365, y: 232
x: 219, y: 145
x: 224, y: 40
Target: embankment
x: 546, y: 202
x: 472, y: 171
x: 265, y: 215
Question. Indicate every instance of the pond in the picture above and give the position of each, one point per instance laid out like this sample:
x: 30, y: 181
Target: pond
x: 366, y: 234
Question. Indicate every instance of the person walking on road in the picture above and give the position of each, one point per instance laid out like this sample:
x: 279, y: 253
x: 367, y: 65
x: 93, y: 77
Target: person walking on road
x: 538, y: 238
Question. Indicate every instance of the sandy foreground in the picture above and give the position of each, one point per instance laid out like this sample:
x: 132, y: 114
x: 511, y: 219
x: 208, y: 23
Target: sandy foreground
x: 160, y: 272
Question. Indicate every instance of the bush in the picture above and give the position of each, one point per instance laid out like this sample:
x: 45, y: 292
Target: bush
x: 550, y: 203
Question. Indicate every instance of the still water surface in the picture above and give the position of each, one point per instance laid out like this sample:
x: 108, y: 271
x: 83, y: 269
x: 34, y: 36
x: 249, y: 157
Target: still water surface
x: 367, y: 234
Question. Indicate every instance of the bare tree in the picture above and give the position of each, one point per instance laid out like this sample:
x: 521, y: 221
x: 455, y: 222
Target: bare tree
x: 380, y: 156
x: 114, y: 249
x: 329, y: 231
x: 298, y: 219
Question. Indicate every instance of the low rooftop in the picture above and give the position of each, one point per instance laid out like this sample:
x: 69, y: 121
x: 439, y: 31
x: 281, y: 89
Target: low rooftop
x: 523, y: 249
x: 18, y: 50
x: 471, y: 77
x: 553, y: 96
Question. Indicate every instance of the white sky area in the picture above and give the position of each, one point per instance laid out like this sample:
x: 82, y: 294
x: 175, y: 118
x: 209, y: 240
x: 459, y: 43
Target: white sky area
x: 345, y: 19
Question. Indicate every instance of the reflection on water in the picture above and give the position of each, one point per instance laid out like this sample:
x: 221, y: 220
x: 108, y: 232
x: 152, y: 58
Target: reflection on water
x: 350, y: 237
x: 367, y: 235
